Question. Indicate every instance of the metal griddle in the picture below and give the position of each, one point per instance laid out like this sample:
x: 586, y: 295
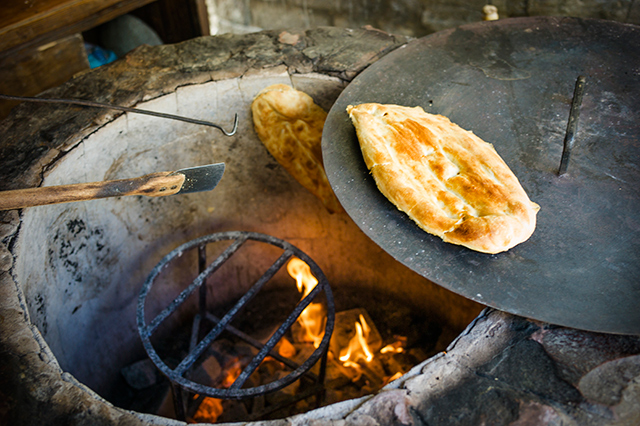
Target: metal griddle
x: 511, y: 82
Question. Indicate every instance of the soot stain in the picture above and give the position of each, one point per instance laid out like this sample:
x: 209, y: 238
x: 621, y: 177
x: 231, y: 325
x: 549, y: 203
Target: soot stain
x: 41, y: 313
x: 76, y: 252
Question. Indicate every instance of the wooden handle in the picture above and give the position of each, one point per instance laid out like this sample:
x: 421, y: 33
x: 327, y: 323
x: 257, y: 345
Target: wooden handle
x: 152, y: 185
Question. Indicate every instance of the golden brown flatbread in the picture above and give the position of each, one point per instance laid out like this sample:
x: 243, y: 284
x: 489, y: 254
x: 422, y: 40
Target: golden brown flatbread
x: 448, y: 180
x: 290, y: 124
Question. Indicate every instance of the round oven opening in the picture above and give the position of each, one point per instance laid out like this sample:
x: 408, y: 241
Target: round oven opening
x: 81, y: 265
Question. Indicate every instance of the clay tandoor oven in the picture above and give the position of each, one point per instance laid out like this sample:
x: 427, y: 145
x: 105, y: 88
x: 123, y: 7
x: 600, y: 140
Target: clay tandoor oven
x: 71, y: 273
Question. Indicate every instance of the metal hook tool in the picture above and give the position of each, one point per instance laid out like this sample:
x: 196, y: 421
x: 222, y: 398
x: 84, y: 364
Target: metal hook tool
x: 125, y: 109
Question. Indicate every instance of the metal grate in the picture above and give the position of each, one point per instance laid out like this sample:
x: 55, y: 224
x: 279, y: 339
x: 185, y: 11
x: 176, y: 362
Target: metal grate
x: 197, y: 348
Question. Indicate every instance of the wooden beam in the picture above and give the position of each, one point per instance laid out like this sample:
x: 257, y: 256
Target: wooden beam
x: 25, y: 25
x: 42, y: 68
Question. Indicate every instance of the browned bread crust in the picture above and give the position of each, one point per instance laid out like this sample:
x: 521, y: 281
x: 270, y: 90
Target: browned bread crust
x: 448, y: 180
x: 290, y: 124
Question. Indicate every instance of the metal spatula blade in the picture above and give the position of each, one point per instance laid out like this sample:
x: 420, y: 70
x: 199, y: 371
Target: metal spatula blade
x: 199, y: 179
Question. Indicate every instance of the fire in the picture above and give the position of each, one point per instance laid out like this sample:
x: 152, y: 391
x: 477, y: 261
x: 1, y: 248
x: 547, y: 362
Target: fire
x: 312, y: 319
x: 211, y: 408
x: 300, y: 271
x: 358, y: 349
x: 392, y: 348
x: 356, y: 367
x: 285, y: 348
x: 396, y: 347
x: 232, y: 373
x: 208, y: 411
x: 390, y: 379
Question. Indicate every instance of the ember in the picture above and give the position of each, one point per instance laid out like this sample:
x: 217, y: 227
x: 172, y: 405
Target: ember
x: 232, y: 373
x: 208, y: 411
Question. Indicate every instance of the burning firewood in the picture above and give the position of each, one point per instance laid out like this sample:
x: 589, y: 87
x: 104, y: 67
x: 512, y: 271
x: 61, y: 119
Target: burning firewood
x: 346, y: 329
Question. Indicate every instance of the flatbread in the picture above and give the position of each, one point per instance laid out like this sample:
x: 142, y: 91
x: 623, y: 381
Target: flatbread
x: 448, y: 180
x: 290, y: 124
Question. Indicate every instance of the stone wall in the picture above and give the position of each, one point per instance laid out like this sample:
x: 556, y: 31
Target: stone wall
x: 413, y: 18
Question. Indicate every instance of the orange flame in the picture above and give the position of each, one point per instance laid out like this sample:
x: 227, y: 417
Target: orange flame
x: 396, y: 347
x: 358, y: 348
x: 312, y: 318
x: 232, y: 373
x: 300, y: 271
x: 356, y: 367
x: 211, y: 408
x: 208, y: 411
x: 390, y: 379
x: 285, y: 348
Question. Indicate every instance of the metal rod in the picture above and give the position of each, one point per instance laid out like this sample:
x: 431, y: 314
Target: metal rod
x: 321, y: 376
x: 572, y: 124
x: 279, y: 406
x: 192, y: 287
x: 258, y: 345
x: 255, y: 362
x: 202, y: 264
x: 123, y: 108
x: 178, y: 402
x: 219, y: 328
x: 195, y: 331
x: 193, y: 406
x: 178, y: 397
x: 176, y: 376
